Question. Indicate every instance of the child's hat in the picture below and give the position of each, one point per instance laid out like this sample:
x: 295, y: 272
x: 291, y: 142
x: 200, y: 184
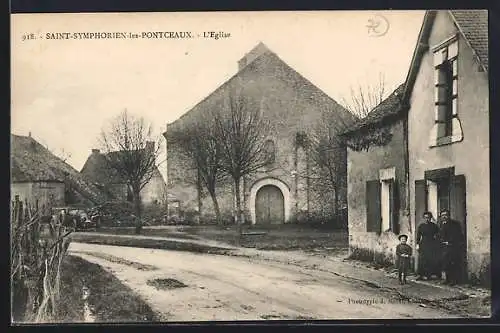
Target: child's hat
x: 401, y: 236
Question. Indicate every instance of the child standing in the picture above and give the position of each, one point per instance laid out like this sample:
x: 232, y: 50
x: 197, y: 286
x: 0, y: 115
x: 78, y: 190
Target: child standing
x: 403, y: 253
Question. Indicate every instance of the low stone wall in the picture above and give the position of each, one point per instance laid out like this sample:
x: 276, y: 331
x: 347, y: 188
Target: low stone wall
x: 372, y: 247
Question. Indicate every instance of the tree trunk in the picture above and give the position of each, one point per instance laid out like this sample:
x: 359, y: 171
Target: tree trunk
x: 199, y: 197
x: 218, y: 216
x: 137, y: 207
x: 238, y: 208
x: 308, y: 185
x: 338, y: 212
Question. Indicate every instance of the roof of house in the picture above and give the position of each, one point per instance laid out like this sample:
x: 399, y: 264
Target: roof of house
x: 472, y: 25
x: 31, y: 161
x: 389, y: 108
x: 97, y: 170
x: 306, y: 89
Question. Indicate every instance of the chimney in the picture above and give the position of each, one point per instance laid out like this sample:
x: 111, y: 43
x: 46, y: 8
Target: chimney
x: 252, y: 55
x: 95, y: 151
x: 29, y: 134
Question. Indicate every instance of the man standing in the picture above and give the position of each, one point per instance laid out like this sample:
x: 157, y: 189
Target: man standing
x: 428, y: 246
x: 453, y: 242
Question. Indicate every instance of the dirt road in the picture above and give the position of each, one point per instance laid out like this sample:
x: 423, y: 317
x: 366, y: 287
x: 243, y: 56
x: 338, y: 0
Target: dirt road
x: 221, y: 287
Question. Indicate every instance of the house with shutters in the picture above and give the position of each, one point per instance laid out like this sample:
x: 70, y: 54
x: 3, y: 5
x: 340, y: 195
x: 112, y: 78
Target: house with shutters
x: 426, y: 147
x: 283, y: 190
x: 448, y: 128
x: 377, y: 180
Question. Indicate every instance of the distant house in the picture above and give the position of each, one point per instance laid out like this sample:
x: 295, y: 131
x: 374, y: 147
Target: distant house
x: 282, y: 191
x: 37, y: 175
x: 377, y: 178
x: 448, y: 125
x: 96, y: 169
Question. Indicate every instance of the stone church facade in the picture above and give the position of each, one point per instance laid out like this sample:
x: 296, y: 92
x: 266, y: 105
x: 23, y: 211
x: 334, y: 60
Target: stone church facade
x: 288, y: 189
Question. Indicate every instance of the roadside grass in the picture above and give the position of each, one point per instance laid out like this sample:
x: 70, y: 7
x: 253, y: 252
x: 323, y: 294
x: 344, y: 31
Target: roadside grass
x: 274, y: 237
x: 286, y: 237
x: 146, y: 231
x: 147, y: 243
x: 109, y: 299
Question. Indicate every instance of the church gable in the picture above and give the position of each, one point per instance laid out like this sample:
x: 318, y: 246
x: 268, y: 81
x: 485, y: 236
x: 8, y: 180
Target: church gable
x: 267, y: 79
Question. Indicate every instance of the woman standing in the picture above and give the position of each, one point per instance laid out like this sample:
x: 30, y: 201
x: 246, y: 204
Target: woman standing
x: 428, y: 247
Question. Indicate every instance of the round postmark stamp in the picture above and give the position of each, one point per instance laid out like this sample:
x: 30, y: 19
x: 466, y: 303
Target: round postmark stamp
x: 378, y: 25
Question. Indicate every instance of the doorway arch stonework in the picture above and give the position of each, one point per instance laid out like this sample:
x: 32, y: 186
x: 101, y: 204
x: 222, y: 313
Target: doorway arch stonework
x: 264, y: 182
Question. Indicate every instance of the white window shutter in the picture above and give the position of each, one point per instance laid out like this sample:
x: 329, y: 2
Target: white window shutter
x: 453, y: 50
x: 438, y: 58
x: 455, y: 68
x: 436, y: 112
x: 455, y: 106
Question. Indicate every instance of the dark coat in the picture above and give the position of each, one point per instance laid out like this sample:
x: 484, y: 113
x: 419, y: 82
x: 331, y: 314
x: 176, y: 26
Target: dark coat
x: 451, y: 232
x: 428, y: 240
x: 403, y: 262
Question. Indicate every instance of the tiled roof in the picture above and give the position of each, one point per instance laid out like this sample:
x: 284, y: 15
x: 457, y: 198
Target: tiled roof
x: 281, y: 70
x: 30, y: 161
x: 97, y: 170
x: 389, y: 107
x: 474, y: 26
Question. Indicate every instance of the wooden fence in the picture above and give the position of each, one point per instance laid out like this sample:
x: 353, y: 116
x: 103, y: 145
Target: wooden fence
x: 38, y: 246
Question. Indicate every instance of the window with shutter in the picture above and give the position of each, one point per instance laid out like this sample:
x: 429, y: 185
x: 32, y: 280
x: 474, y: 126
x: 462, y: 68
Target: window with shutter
x: 447, y: 127
x: 386, y: 204
x: 373, y: 213
x: 395, y: 205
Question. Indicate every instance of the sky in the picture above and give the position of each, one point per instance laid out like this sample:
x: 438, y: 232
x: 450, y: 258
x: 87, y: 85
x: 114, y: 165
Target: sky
x: 65, y: 90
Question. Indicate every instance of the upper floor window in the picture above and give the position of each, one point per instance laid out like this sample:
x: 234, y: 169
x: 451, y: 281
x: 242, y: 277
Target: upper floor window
x: 447, y: 127
x: 270, y: 151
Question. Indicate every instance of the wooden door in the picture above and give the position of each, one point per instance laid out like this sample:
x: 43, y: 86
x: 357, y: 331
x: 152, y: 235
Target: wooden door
x: 269, y: 205
x: 458, y: 212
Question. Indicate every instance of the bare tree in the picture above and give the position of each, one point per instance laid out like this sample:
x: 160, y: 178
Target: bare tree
x: 328, y: 155
x: 199, y: 142
x: 131, y: 153
x: 241, y: 130
x: 364, y: 99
